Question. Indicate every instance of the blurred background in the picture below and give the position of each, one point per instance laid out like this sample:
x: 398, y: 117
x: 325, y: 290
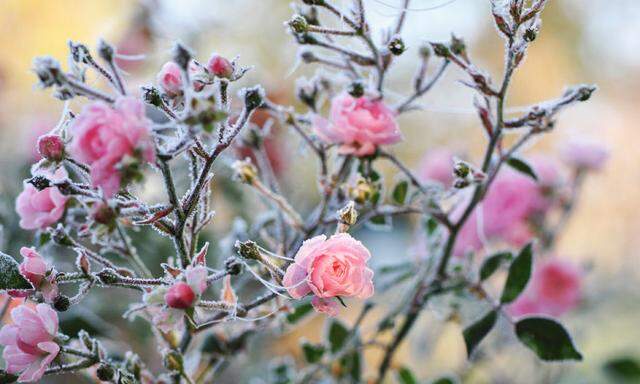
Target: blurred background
x: 595, y: 41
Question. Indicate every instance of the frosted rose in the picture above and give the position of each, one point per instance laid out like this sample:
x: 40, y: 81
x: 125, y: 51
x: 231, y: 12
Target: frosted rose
x: 585, y: 154
x: 220, y: 66
x: 330, y: 267
x: 358, y: 125
x: 180, y: 295
x: 40, y: 209
x: 327, y: 306
x: 51, y: 147
x: 110, y: 139
x: 170, y: 78
x: 35, y: 269
x: 512, y: 201
x: 554, y: 289
x: 29, y: 341
x: 437, y: 166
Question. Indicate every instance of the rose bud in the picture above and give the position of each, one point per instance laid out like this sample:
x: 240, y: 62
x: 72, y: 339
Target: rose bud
x: 51, y: 147
x: 180, y: 296
x: 220, y: 66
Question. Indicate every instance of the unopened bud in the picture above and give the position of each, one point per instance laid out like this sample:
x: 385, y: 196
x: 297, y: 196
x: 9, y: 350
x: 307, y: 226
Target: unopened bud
x: 79, y: 52
x: 105, y: 372
x: 530, y: 34
x: 461, y: 183
x: 51, y: 147
x: 457, y: 46
x: 61, y: 303
x: 182, y: 55
x: 249, y: 250
x: 180, y: 295
x: 441, y: 50
x: 245, y: 171
x: 396, y: 46
x: 362, y: 191
x: 461, y: 169
x: 105, y: 50
x: 233, y: 266
x: 220, y: 66
x: 356, y: 89
x: 48, y: 71
x: 348, y: 214
x: 253, y: 97
x: 102, y: 213
x: 108, y: 276
x: 298, y: 24
x: 151, y: 96
x: 60, y: 236
x: 40, y: 182
x: 172, y: 360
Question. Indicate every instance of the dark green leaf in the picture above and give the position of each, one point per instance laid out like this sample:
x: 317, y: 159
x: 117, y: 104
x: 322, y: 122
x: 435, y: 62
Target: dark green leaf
x: 6, y: 378
x: 10, y: 277
x: 405, y: 376
x: 337, y: 335
x: 522, y: 167
x: 400, y: 192
x: 547, y: 338
x: 519, y: 273
x: 351, y: 365
x: 431, y: 224
x: 477, y: 331
x: 312, y: 352
x: 300, y: 311
x: 625, y: 369
x: 492, y: 263
x: 444, y: 380
x: 281, y: 373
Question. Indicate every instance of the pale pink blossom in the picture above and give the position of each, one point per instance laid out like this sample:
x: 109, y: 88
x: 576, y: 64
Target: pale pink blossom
x: 29, y: 341
x: 554, y: 289
x: 330, y: 267
x: 505, y: 213
x: 39, y: 273
x: 41, y: 209
x: 358, y: 125
x: 585, y: 154
x: 170, y: 78
x: 437, y: 166
x: 327, y: 306
x: 109, y: 139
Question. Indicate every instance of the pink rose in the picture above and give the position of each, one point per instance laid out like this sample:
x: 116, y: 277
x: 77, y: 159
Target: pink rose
x: 220, y: 66
x: 170, y: 78
x: 554, y: 289
x: 40, y: 209
x: 182, y: 295
x: 29, y: 341
x: 327, y: 306
x: 109, y: 139
x: 585, y: 154
x: 328, y: 268
x: 37, y: 271
x: 358, y: 125
x: 437, y: 166
x: 505, y: 213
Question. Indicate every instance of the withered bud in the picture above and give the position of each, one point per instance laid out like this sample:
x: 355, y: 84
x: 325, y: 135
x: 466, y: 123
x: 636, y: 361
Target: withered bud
x: 79, y: 52
x: 105, y: 50
x: 48, y: 71
x: 245, y: 171
x: 233, y: 266
x: 248, y: 249
x: 253, y: 97
x: 396, y: 46
x: 40, y: 182
x: 182, y: 55
x: 362, y: 191
x: 348, y: 214
x: 172, y: 360
x: 298, y: 24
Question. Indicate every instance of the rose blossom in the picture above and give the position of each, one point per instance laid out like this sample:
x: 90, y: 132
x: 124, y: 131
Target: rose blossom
x: 220, y: 66
x: 40, y: 209
x: 437, y: 166
x: 358, y: 125
x: 512, y: 201
x: 328, y: 268
x: 170, y: 78
x: 29, y: 341
x: 108, y: 138
x: 585, y: 154
x: 51, y: 147
x: 553, y: 290
x: 35, y: 269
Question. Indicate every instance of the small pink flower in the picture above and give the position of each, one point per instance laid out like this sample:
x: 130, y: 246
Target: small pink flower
x: 180, y: 295
x: 328, y: 268
x: 40, y: 209
x: 220, y: 66
x: 358, y: 125
x: 110, y: 138
x: 437, y: 166
x: 29, y: 341
x: 170, y: 78
x: 585, y: 154
x: 51, y: 147
x: 36, y: 270
x: 554, y: 289
x: 327, y: 306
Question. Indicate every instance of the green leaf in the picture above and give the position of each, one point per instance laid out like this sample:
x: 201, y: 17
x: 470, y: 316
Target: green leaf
x: 522, y: 167
x: 337, y: 335
x: 431, y: 225
x: 477, y: 331
x: 547, y: 338
x: 400, y: 192
x: 300, y: 311
x: 625, y: 369
x: 405, y: 376
x: 492, y: 263
x: 10, y: 277
x: 351, y: 365
x: 444, y: 380
x: 519, y: 273
x: 281, y: 373
x: 312, y: 352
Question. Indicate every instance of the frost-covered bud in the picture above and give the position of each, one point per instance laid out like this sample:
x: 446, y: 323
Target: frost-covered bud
x: 105, y: 50
x: 48, y: 71
x: 249, y: 250
x: 233, y: 266
x: 461, y: 183
x: 461, y: 169
x: 170, y: 78
x: 172, y: 360
x: 253, y: 97
x: 105, y: 372
x: 180, y: 295
x: 441, y: 50
x: 182, y: 55
x: 40, y: 182
x: 348, y: 214
x: 457, y: 46
x: 245, y: 171
x: 51, y: 147
x: 362, y: 191
x: 102, y: 213
x: 151, y: 96
x: 396, y: 46
x: 108, y: 276
x: 220, y: 66
x: 298, y: 24
x: 356, y: 89
x: 79, y: 52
